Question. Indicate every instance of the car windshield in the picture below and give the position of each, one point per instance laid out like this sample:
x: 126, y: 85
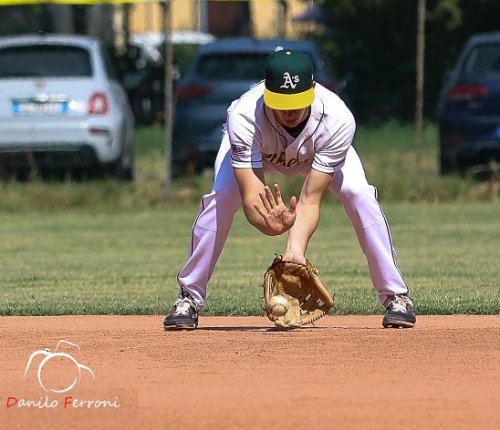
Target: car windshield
x: 44, y: 61
x: 483, y: 61
x: 233, y: 66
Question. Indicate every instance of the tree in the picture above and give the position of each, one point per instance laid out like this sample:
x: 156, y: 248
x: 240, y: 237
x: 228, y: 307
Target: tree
x: 375, y: 41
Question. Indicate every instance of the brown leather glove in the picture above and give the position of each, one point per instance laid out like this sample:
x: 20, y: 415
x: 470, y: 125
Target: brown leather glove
x: 306, y: 297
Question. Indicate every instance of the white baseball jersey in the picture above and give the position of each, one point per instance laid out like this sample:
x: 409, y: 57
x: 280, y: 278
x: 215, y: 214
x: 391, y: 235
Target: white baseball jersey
x: 254, y: 139
x: 258, y: 140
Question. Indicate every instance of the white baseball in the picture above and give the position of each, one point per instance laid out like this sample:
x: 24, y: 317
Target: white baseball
x: 278, y: 306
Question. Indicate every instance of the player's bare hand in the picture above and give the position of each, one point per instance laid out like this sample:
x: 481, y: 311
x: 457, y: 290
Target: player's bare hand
x: 277, y: 216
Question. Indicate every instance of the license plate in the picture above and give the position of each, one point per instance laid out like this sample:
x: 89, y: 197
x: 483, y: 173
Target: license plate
x: 35, y: 108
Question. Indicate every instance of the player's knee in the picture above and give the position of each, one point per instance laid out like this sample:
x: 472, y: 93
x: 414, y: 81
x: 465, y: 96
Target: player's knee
x: 352, y: 195
x: 229, y: 198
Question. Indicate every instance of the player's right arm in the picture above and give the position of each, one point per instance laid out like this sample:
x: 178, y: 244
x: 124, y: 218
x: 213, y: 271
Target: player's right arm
x: 263, y: 209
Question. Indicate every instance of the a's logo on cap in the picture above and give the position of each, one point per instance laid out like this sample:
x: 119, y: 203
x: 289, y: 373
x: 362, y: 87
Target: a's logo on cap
x: 289, y: 81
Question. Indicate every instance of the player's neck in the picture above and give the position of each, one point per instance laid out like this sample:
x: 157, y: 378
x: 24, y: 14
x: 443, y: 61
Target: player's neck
x: 295, y: 131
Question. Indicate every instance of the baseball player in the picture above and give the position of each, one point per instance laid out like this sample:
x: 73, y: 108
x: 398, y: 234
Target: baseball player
x: 289, y: 124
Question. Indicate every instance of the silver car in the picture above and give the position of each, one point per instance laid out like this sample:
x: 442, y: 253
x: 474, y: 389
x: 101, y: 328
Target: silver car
x: 62, y: 107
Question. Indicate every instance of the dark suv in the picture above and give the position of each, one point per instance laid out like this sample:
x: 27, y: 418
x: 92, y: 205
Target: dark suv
x: 220, y: 73
x: 469, y: 109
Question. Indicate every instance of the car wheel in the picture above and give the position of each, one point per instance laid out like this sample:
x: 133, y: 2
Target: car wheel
x: 124, y: 173
x: 147, y: 111
x: 122, y: 168
x: 444, y: 167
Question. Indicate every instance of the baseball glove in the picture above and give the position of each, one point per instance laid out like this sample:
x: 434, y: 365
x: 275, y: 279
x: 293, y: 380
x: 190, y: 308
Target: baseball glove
x: 294, y: 295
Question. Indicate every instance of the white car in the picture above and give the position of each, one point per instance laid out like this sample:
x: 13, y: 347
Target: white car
x: 62, y: 107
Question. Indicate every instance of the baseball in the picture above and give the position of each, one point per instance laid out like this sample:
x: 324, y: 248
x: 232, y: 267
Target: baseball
x: 278, y: 306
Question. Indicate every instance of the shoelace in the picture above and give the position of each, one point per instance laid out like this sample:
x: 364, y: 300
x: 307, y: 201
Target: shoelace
x: 398, y: 304
x: 182, y: 306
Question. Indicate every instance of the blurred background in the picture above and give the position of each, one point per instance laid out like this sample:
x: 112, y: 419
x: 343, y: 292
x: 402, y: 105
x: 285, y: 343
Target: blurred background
x: 371, y: 42
x: 367, y: 52
x: 108, y: 133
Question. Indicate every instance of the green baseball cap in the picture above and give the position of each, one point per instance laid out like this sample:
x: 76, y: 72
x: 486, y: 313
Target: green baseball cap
x: 289, y: 80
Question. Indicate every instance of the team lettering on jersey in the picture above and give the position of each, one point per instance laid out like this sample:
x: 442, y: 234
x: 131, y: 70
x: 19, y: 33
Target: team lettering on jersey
x: 289, y: 81
x: 280, y: 159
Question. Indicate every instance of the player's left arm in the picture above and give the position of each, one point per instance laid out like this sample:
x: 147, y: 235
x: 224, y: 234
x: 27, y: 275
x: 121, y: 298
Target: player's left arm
x: 308, y: 214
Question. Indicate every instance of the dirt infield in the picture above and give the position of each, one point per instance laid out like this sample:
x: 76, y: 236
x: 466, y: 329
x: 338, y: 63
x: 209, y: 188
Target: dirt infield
x: 239, y: 373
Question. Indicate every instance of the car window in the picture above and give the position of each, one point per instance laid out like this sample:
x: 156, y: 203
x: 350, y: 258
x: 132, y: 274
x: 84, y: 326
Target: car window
x: 44, y: 61
x: 482, y: 61
x: 248, y: 67
x: 237, y: 66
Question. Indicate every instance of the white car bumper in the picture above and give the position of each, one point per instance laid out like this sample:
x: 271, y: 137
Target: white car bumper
x: 20, y: 136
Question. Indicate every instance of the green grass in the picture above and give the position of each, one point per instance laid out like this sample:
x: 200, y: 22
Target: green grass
x: 93, y: 262
x: 388, y: 153
x: 107, y: 247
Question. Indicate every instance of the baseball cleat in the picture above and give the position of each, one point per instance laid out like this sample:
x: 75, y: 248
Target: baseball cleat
x: 399, y: 312
x: 183, y: 315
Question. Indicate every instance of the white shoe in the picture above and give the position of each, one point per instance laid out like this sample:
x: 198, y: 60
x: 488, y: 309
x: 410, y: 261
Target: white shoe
x: 184, y: 314
x: 399, y: 312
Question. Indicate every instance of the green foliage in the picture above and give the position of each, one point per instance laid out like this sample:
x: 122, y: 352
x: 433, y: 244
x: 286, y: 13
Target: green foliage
x: 375, y: 40
x: 388, y: 153
x: 183, y: 55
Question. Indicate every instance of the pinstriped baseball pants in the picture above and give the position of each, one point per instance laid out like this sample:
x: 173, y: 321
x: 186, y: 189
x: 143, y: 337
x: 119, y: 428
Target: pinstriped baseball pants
x: 349, y: 185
